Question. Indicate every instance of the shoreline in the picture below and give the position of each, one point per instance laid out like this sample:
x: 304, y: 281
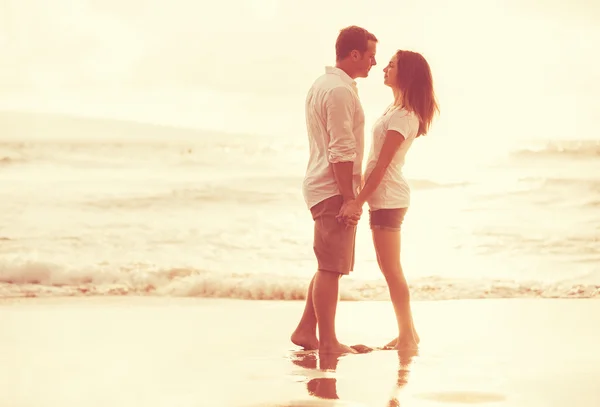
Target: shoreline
x: 157, y: 297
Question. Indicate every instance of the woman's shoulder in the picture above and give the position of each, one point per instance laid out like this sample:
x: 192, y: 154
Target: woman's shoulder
x: 402, y: 113
x: 403, y: 121
x: 403, y: 117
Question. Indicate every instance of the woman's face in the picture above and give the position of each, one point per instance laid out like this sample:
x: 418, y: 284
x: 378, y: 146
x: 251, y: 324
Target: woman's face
x: 390, y: 73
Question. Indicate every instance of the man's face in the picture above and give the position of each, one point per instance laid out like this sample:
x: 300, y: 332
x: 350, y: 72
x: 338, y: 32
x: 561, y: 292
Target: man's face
x: 365, y: 62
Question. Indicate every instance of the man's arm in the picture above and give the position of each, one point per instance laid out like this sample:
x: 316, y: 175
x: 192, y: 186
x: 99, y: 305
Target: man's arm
x: 343, y: 172
x: 341, y: 151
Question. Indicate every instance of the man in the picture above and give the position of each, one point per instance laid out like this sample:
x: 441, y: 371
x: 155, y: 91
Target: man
x: 335, y: 123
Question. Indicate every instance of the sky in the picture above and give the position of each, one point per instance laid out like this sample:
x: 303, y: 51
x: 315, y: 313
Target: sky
x: 500, y: 66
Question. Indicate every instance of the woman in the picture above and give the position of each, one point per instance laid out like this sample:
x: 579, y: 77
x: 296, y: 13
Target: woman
x: 386, y: 190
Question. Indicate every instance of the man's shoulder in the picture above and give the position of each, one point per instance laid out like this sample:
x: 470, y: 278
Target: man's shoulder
x: 329, y: 82
x: 330, y: 91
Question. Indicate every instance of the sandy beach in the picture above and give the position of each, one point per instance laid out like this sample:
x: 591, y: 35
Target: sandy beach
x: 155, y: 241
x: 211, y: 353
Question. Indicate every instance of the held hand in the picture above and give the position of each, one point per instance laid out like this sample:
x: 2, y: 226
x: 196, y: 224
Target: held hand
x: 350, y: 213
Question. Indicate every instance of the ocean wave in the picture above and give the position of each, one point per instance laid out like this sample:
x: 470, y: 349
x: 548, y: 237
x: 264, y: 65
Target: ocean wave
x: 259, y: 189
x: 7, y: 161
x: 422, y: 184
x: 584, y: 184
x: 565, y: 148
x: 592, y: 203
x: 11, y: 154
x: 38, y: 126
x: 38, y: 279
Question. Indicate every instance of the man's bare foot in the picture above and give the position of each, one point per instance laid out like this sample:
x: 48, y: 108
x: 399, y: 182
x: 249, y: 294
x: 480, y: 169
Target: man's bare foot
x: 306, y: 340
x: 335, y: 349
x: 362, y: 348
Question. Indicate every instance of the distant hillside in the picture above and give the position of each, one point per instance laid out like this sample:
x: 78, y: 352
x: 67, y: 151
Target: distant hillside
x: 25, y: 126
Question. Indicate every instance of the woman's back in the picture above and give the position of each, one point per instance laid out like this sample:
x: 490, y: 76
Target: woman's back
x: 393, y: 191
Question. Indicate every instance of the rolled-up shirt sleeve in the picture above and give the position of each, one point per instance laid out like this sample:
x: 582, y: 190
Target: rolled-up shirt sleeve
x: 340, y: 110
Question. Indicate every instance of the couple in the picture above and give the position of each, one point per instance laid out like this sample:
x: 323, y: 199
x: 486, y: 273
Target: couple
x: 333, y: 186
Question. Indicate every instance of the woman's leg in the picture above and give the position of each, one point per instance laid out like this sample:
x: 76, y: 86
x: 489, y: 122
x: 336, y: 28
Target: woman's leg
x: 394, y: 342
x: 387, y: 248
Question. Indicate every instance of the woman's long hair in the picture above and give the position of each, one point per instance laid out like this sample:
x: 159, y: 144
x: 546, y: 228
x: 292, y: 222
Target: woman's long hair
x: 416, y: 83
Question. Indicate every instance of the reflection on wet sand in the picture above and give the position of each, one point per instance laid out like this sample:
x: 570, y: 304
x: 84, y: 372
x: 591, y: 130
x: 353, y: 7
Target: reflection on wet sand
x: 405, y: 359
x: 326, y: 387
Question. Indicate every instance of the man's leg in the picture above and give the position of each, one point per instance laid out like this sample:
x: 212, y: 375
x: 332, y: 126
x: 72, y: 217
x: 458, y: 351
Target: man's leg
x: 334, y: 249
x: 325, y: 300
x: 305, y: 334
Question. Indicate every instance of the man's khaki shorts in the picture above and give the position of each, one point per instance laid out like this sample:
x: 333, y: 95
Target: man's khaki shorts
x: 334, y: 241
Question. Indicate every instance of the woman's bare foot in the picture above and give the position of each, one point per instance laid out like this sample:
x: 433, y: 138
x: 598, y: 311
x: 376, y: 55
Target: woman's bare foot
x: 335, y: 349
x: 391, y: 344
x: 406, y: 344
x: 416, y: 336
x: 306, y: 340
x: 394, y: 342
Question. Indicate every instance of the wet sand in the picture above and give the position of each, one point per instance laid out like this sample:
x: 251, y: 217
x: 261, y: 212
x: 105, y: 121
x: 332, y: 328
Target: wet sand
x: 125, y: 351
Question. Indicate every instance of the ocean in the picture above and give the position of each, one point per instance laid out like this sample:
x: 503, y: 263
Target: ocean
x: 114, y: 207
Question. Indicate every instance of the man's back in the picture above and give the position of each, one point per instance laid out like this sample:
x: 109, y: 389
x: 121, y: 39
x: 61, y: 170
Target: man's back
x: 335, y: 124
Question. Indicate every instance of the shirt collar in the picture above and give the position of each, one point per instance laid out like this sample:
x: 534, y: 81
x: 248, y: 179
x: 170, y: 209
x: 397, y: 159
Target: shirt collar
x: 342, y: 74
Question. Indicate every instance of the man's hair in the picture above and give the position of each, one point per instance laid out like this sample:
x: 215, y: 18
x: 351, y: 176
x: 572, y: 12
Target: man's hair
x: 352, y: 38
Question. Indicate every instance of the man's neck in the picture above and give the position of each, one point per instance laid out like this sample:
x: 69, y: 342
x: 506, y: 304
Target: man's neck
x: 343, y: 67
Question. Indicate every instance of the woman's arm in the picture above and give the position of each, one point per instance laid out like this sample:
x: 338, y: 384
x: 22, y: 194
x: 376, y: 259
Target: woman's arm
x: 391, y: 144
